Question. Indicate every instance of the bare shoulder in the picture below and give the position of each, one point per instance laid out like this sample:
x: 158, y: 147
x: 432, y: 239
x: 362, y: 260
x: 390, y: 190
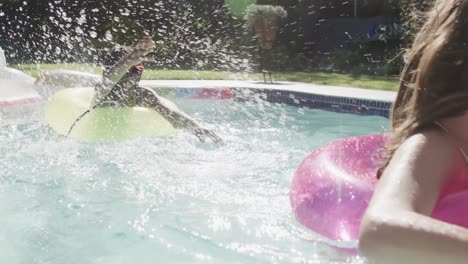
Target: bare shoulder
x: 418, y: 171
x: 429, y: 145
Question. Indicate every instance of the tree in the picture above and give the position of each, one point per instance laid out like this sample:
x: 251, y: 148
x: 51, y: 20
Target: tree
x: 79, y: 30
x: 410, y: 13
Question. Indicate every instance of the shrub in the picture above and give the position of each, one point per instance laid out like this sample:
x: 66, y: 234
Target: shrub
x: 267, y: 12
x: 410, y: 13
x: 362, y: 57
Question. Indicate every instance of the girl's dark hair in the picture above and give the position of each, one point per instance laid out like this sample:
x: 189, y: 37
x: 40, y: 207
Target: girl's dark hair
x: 434, y: 81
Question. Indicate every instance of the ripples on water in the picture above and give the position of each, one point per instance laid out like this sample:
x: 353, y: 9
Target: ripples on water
x: 166, y: 200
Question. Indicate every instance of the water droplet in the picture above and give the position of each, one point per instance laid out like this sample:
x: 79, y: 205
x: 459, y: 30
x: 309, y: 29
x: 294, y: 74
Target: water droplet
x: 78, y: 30
x: 93, y: 34
x: 82, y: 20
x: 108, y: 35
x: 125, y: 12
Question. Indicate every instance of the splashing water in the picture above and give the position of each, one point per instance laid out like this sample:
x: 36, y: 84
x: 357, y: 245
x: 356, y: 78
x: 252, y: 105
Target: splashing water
x: 170, y: 200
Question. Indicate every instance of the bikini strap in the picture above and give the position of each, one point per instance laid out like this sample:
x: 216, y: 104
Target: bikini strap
x: 441, y: 127
x: 464, y: 154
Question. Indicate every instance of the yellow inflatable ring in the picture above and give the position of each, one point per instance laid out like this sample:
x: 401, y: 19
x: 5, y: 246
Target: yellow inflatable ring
x: 102, y: 124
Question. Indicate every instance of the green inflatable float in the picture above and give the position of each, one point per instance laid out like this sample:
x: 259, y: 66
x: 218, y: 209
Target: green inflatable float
x: 103, y: 124
x: 238, y: 7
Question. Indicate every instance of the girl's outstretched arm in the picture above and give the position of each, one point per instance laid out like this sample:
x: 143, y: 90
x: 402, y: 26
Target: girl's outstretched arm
x: 115, y: 73
x: 176, y: 117
x: 396, y: 227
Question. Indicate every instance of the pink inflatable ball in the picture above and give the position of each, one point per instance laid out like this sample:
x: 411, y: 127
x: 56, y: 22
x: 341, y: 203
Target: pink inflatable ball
x: 335, y: 213
x: 332, y: 187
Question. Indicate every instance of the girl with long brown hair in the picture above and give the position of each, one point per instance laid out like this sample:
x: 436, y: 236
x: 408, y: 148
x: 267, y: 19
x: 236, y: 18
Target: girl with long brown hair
x: 426, y: 150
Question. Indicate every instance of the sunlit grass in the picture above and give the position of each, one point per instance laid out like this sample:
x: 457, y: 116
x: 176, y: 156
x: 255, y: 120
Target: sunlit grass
x: 333, y: 79
x: 339, y: 79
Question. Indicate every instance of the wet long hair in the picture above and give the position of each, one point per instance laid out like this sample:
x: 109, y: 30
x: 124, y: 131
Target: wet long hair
x: 434, y: 80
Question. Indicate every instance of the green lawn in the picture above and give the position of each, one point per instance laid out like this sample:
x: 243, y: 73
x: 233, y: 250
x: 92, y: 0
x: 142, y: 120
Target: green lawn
x: 336, y: 79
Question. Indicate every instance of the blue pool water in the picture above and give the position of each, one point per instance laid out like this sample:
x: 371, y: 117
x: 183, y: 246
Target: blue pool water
x: 167, y: 200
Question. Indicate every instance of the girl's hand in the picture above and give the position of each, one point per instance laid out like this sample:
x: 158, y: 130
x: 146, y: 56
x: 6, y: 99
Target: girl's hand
x: 202, y: 133
x: 145, y: 44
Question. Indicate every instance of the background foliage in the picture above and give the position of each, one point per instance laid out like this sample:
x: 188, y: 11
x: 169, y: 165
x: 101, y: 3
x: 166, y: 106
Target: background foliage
x: 194, y: 34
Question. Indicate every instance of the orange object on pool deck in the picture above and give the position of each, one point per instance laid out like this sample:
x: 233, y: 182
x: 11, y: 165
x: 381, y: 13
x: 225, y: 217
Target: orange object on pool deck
x: 333, y: 186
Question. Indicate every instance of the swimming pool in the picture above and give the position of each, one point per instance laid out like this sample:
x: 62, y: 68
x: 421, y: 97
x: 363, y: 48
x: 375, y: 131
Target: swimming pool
x: 167, y: 200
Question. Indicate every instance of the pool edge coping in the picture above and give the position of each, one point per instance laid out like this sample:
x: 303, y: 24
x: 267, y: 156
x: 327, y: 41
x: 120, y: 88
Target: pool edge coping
x: 339, y: 91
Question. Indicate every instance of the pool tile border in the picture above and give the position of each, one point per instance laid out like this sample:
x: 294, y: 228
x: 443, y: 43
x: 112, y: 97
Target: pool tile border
x: 325, y: 102
x: 329, y: 98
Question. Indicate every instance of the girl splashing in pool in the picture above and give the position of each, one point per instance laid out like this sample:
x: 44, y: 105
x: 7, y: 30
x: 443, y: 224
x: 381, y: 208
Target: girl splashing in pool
x: 120, y: 88
x: 426, y: 154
